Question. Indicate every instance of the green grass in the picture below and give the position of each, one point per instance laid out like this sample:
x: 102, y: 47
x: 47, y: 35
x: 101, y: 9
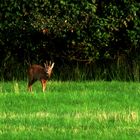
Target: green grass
x: 70, y: 111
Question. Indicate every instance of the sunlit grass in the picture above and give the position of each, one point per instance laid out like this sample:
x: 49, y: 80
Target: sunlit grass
x: 70, y: 110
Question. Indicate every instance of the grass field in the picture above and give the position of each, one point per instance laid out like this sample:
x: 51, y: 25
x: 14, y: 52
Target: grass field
x: 70, y: 111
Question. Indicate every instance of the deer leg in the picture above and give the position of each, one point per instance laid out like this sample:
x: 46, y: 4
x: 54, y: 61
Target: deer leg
x: 43, y: 82
x: 30, y: 83
x: 30, y: 88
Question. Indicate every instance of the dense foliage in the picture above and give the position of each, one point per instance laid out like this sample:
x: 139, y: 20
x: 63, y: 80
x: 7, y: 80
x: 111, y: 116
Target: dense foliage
x: 88, y: 39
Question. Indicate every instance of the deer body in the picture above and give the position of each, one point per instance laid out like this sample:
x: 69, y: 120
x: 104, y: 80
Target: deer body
x: 37, y: 72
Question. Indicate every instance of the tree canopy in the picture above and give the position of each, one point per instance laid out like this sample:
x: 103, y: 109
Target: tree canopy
x: 99, y: 38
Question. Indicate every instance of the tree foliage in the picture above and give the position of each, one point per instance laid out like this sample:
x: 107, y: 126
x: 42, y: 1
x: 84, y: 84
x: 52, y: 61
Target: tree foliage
x: 98, y: 34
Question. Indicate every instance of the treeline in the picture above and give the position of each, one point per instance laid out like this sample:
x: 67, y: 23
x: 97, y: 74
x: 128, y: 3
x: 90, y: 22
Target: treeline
x: 87, y: 39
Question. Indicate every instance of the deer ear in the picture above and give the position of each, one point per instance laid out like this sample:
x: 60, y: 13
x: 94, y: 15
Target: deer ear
x: 49, y: 62
x: 45, y: 65
x: 52, y: 65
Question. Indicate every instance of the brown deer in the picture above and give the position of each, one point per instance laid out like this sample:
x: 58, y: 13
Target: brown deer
x: 37, y: 72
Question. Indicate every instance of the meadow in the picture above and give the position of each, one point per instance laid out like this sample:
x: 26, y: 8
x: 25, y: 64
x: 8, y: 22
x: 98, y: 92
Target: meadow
x: 95, y: 110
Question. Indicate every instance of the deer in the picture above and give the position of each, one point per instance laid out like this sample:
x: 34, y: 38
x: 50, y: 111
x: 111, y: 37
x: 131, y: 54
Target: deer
x: 38, y: 72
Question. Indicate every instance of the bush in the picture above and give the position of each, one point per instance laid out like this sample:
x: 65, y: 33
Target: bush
x: 75, y: 34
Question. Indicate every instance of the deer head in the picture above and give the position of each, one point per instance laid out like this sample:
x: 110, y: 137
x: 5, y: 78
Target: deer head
x: 48, y: 67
